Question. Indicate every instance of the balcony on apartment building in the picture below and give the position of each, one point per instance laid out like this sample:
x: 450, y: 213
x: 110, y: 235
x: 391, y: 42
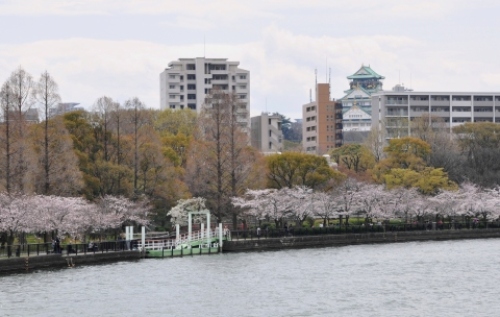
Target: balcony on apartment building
x: 461, y: 111
x: 174, y: 89
x: 396, y: 112
x: 483, y: 119
x: 241, y: 78
x: 483, y: 112
x: 418, y: 111
x: 440, y: 101
x: 396, y: 101
x: 441, y: 111
x: 463, y: 101
x: 419, y: 101
x: 174, y: 78
x: 483, y: 101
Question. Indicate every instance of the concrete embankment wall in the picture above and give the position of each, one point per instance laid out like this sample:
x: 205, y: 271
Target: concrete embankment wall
x: 26, y: 264
x: 294, y: 242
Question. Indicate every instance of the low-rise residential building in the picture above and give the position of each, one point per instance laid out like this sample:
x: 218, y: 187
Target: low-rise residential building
x: 393, y: 111
x: 266, y: 134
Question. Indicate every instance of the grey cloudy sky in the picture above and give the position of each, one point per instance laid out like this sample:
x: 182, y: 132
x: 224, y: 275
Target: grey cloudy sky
x: 119, y: 47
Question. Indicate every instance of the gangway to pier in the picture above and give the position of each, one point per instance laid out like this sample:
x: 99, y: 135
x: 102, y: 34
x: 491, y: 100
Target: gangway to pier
x: 198, y: 238
x: 204, y: 240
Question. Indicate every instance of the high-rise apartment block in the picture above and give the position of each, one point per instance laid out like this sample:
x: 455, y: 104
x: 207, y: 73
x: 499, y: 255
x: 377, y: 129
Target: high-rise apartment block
x: 393, y: 111
x: 266, y: 132
x: 186, y: 82
x: 321, y: 122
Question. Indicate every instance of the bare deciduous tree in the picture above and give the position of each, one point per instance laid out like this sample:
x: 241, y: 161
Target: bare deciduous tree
x: 47, y: 95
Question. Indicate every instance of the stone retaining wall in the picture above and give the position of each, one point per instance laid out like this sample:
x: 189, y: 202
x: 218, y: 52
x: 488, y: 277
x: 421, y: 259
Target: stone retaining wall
x: 293, y: 242
x: 26, y: 264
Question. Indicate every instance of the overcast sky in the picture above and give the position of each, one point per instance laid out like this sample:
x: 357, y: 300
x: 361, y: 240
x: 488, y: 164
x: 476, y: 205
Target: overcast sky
x: 118, y: 48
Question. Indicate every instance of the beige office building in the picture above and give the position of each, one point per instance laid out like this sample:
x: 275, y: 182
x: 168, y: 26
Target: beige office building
x: 321, y: 122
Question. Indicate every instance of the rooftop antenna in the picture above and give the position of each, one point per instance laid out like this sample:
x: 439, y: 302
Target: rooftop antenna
x: 310, y: 95
x: 329, y: 83
x: 316, y: 82
x: 326, y: 70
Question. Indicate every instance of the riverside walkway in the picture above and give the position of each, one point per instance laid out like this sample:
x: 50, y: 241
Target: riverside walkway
x: 278, y: 239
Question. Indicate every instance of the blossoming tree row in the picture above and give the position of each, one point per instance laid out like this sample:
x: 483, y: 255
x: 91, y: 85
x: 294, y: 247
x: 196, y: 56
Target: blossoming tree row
x: 370, y: 201
x: 72, y: 216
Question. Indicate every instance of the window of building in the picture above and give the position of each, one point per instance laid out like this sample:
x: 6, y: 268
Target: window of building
x: 242, y: 96
x: 182, y: 78
x: 182, y: 106
x: 182, y: 97
x: 192, y: 106
x: 191, y: 86
x: 171, y: 96
x: 243, y: 76
x: 171, y: 86
x: 191, y: 96
x: 242, y: 86
x: 216, y: 66
x: 182, y: 88
x: 171, y: 76
x: 190, y: 66
x: 219, y: 77
x: 172, y: 106
x: 191, y: 77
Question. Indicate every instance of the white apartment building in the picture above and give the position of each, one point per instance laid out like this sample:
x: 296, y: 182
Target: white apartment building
x: 266, y: 133
x: 392, y: 111
x: 186, y: 82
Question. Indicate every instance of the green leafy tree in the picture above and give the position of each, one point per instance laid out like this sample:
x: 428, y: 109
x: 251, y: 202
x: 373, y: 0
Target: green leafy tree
x: 355, y: 157
x: 292, y: 169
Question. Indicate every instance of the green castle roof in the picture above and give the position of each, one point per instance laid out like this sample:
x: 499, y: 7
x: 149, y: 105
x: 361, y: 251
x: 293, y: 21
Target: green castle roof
x: 365, y: 72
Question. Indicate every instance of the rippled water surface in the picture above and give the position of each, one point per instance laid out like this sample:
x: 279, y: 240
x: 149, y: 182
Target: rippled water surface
x: 452, y: 278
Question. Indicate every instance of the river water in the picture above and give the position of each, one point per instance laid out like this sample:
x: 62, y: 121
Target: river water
x: 449, y: 278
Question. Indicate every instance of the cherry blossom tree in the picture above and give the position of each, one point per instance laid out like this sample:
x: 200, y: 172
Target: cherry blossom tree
x: 372, y: 201
x: 325, y: 206
x: 422, y: 207
x: 348, y: 198
x: 272, y: 204
x: 399, y: 202
x: 179, y: 213
x: 16, y: 216
x: 301, y: 198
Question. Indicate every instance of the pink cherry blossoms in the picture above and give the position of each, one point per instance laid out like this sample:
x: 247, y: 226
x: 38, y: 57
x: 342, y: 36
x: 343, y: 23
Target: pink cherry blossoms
x: 72, y: 216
